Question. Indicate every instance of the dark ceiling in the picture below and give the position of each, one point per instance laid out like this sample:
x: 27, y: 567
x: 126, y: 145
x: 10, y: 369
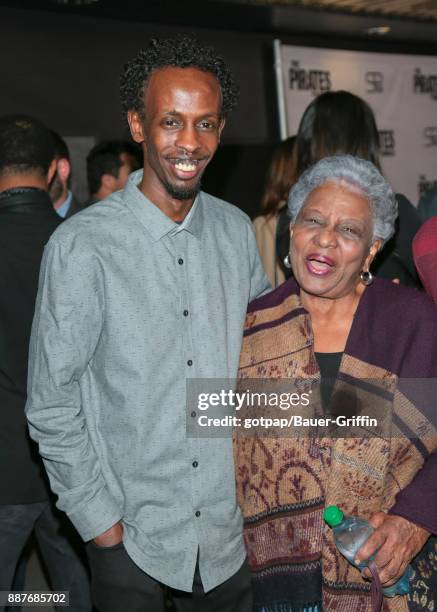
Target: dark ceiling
x: 409, y: 22
x: 412, y: 9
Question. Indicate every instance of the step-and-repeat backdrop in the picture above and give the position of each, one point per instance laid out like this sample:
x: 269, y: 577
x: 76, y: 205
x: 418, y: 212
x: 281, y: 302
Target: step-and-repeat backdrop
x: 401, y: 90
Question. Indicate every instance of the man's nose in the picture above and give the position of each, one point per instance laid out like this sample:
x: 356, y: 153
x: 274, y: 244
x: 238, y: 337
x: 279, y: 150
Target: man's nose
x: 188, y: 139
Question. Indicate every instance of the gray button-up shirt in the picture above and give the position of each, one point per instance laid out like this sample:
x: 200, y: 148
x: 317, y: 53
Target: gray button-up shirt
x: 130, y: 306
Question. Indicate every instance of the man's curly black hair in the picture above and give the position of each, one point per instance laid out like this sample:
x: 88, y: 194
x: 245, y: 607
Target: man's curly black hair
x: 180, y: 51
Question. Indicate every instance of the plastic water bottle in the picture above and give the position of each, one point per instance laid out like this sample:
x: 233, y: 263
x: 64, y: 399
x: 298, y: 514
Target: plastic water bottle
x: 350, y: 533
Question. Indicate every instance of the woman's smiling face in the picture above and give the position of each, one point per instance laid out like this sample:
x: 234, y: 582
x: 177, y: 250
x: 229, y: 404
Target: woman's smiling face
x: 331, y: 241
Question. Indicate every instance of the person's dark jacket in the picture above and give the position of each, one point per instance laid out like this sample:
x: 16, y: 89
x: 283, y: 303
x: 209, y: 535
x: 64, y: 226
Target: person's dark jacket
x: 27, y: 219
x: 395, y: 260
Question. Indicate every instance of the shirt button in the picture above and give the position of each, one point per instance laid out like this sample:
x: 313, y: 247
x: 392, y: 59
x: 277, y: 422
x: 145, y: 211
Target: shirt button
x: 197, y: 513
x: 195, y: 464
x: 185, y: 313
x: 190, y: 362
x: 180, y: 261
x: 193, y: 414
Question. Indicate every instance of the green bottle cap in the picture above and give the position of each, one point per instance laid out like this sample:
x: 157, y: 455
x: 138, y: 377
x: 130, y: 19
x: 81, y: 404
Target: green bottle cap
x: 333, y: 516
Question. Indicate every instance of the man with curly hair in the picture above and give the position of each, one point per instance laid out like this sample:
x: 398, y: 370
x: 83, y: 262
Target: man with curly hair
x: 136, y: 297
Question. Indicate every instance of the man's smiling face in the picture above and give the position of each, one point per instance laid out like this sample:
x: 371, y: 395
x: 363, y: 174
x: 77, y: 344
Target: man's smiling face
x: 180, y: 130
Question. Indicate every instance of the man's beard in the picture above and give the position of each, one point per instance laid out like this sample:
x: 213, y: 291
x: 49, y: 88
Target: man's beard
x: 181, y: 193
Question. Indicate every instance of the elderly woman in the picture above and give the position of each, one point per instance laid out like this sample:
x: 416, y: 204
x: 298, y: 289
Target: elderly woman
x: 335, y: 322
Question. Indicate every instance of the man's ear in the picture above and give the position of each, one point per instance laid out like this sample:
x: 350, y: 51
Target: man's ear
x: 135, y: 125
x: 51, y: 171
x: 108, y: 182
x: 63, y: 169
x: 221, y: 126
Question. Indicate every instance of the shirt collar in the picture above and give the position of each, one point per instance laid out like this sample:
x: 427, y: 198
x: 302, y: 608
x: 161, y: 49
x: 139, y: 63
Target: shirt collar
x: 15, y: 191
x: 65, y: 206
x: 25, y: 199
x: 152, y: 218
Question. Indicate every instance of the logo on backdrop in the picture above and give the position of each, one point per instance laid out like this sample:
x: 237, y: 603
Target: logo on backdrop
x: 430, y: 136
x: 316, y: 81
x: 425, y: 83
x: 425, y: 185
x: 375, y: 81
x: 387, y: 142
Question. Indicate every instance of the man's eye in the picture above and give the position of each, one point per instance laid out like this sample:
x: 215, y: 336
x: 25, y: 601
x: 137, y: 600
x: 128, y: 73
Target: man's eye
x: 170, y: 122
x: 206, y: 125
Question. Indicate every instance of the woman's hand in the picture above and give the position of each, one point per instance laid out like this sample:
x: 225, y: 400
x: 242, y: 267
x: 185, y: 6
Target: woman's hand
x: 398, y: 541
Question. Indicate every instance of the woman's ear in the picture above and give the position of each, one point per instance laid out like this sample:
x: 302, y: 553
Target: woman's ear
x: 372, y: 253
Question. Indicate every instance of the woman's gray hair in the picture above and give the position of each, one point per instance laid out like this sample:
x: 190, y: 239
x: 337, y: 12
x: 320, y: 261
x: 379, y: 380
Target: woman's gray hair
x: 360, y: 175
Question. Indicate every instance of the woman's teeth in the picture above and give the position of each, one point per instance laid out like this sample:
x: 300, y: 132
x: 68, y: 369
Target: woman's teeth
x: 319, y: 265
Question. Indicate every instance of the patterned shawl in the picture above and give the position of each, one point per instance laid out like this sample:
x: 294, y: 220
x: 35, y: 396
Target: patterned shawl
x: 283, y: 484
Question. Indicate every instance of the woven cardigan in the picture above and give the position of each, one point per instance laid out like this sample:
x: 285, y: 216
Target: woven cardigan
x: 283, y: 483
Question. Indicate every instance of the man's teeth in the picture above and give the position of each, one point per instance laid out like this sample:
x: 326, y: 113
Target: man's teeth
x: 186, y: 165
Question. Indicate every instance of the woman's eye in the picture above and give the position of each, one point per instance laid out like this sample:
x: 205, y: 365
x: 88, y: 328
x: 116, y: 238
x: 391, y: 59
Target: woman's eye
x: 314, y: 221
x: 347, y: 229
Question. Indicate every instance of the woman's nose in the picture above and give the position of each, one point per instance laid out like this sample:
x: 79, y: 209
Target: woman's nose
x: 326, y: 237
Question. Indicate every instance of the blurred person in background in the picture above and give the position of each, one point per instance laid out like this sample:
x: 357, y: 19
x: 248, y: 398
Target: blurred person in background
x: 64, y: 202
x: 280, y: 178
x: 425, y: 256
x: 108, y: 166
x: 66, y: 205
x: 339, y: 122
x: 27, y: 219
x: 427, y: 206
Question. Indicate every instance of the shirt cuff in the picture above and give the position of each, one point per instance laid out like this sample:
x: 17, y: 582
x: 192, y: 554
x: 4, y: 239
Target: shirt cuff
x: 99, y: 514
